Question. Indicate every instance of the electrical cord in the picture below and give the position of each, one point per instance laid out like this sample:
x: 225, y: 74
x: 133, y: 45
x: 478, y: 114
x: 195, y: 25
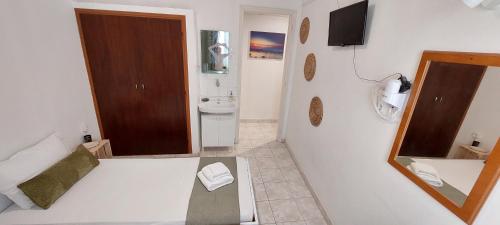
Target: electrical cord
x: 366, y: 79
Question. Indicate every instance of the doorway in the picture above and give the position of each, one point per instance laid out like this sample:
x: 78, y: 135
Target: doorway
x: 263, y: 57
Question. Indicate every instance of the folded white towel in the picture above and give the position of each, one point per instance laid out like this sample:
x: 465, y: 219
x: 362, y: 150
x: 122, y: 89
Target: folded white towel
x: 215, y: 170
x: 427, y: 173
x: 423, y: 168
x: 219, y: 182
x: 435, y: 183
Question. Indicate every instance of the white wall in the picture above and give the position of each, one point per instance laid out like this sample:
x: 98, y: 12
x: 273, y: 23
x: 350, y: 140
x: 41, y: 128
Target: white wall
x: 261, y: 79
x: 44, y: 85
x: 345, y: 158
x: 482, y: 116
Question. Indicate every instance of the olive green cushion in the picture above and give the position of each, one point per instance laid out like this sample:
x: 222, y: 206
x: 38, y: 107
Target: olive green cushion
x: 48, y: 186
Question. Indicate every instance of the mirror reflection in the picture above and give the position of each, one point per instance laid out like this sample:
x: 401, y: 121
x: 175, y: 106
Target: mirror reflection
x: 454, y: 127
x: 215, y: 51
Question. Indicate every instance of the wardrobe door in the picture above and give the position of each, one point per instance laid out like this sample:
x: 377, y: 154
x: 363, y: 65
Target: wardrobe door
x: 443, y: 103
x: 136, y: 67
x: 111, y: 49
x: 163, y: 106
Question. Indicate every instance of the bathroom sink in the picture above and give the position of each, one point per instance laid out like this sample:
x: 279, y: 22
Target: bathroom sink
x: 218, y: 107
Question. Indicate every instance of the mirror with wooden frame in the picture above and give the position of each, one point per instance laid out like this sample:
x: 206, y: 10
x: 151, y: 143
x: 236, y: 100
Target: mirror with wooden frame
x: 214, y: 51
x: 448, y: 140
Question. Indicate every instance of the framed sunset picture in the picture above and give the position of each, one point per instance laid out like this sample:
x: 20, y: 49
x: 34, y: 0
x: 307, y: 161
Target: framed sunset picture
x: 266, y: 45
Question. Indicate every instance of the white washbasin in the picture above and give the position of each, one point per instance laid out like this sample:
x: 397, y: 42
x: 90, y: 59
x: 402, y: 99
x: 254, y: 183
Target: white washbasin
x: 218, y: 107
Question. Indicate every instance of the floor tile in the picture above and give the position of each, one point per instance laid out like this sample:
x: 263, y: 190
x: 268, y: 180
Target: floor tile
x: 292, y: 174
x: 245, y: 143
x: 293, y: 223
x: 275, y: 144
x: 262, y: 152
x: 280, y: 191
x: 264, y: 212
x: 284, y: 162
x: 254, y: 167
x: 277, y: 191
x: 255, y: 173
x: 277, y: 152
x: 316, y: 221
x: 257, y: 180
x: 298, y: 190
x: 308, y: 208
x: 245, y: 153
x: 271, y: 175
x: 266, y: 163
x: 285, y: 211
x: 260, y: 192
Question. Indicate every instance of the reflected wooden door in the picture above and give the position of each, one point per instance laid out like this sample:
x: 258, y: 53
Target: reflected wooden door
x: 442, y: 105
x: 137, y: 69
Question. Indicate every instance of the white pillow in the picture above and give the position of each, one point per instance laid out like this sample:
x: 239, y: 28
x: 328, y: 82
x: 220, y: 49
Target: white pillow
x: 26, y: 164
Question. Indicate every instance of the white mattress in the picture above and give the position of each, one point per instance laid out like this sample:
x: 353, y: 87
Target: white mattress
x: 459, y: 173
x: 131, y: 191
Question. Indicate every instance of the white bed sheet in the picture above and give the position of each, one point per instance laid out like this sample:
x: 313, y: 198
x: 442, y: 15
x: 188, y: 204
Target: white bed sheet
x: 131, y: 191
x: 459, y: 173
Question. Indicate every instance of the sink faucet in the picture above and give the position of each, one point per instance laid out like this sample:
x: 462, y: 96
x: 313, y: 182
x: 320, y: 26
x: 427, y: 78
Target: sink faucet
x: 217, y: 83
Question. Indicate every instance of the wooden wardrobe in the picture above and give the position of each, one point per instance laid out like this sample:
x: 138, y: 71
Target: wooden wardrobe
x: 137, y: 66
x: 444, y: 100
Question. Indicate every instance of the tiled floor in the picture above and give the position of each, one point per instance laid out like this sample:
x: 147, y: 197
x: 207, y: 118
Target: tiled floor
x: 281, y: 194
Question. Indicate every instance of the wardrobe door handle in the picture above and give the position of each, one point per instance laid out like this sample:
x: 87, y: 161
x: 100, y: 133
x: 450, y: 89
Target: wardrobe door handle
x: 441, y: 99
x: 142, y: 86
x: 135, y: 86
x: 436, y: 99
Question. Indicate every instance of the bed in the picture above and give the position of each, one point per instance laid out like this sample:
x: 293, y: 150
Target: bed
x: 458, y: 175
x: 117, y: 192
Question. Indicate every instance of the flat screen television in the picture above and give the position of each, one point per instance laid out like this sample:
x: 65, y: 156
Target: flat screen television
x: 347, y: 25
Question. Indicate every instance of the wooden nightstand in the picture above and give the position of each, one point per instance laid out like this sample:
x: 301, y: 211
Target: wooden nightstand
x: 102, y: 150
x: 471, y: 152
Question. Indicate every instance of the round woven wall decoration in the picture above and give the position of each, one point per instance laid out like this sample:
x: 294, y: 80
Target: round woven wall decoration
x: 304, y: 30
x: 316, y: 111
x: 310, y: 67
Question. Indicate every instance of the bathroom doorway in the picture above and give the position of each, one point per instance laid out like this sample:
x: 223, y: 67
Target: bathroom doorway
x: 266, y: 39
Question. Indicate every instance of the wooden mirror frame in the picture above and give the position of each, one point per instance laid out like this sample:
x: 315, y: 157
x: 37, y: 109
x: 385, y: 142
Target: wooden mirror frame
x: 491, y: 170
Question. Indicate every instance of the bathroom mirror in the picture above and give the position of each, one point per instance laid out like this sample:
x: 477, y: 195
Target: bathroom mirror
x: 215, y: 51
x: 448, y: 140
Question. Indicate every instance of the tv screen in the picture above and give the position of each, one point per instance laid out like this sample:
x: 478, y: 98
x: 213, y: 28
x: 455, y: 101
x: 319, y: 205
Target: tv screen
x: 347, y: 25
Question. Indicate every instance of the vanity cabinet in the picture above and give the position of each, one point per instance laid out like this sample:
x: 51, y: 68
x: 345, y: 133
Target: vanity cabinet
x: 218, y: 129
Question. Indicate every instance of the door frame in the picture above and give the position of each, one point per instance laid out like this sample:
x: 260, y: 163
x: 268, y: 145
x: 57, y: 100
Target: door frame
x: 288, y: 67
x: 181, y: 18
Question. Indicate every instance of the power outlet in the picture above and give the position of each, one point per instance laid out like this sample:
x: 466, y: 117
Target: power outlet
x: 84, y: 128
